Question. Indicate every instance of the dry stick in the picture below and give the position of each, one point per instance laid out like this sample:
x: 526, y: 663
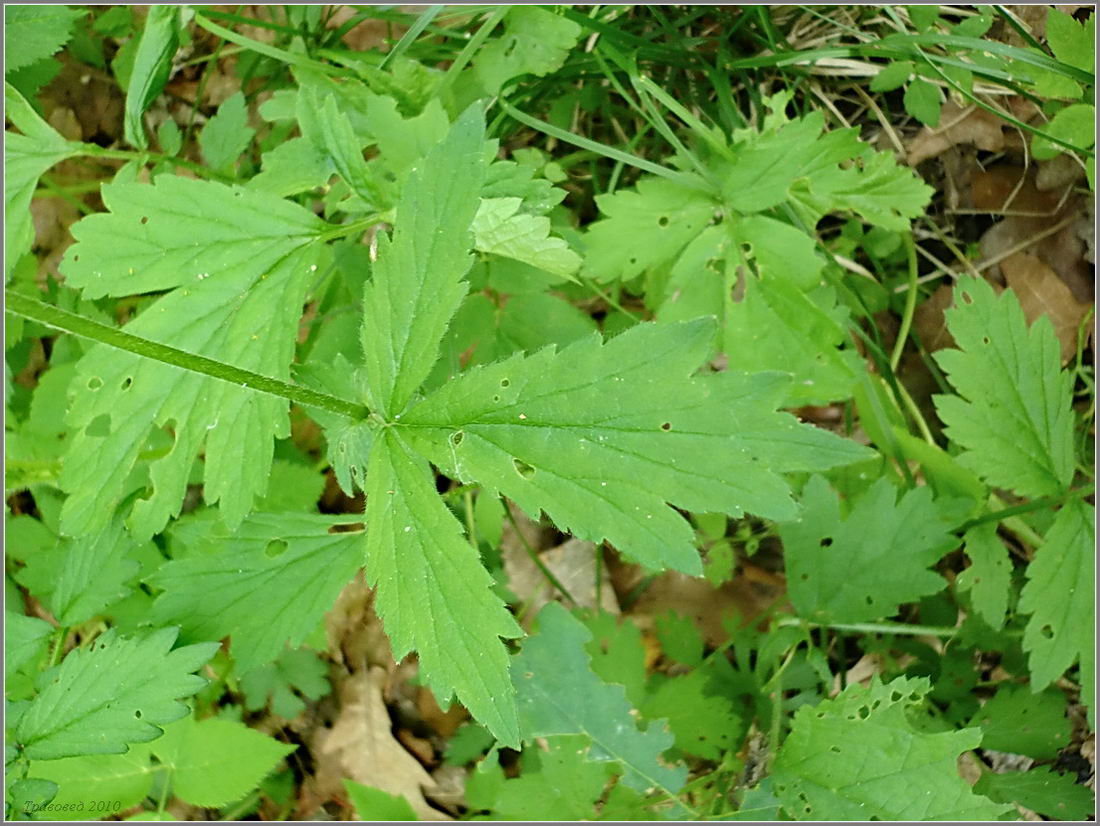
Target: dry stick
x: 996, y: 259
x: 882, y: 119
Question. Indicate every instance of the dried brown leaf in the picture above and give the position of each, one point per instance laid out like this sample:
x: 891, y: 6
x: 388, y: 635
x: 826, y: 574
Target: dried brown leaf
x: 958, y: 126
x: 573, y: 563
x: 1042, y: 292
x: 361, y: 746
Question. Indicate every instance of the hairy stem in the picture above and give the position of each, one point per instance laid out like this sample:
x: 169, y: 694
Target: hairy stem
x: 59, y: 319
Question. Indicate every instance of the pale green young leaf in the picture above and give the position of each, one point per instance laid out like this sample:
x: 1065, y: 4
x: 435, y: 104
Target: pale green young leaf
x: 1059, y: 595
x: 115, y: 692
x: 417, y: 283
x: 403, y: 142
x: 434, y: 595
x: 240, y: 262
x: 266, y: 584
x: 122, y: 779
x: 1075, y: 124
x: 535, y: 41
x: 989, y: 577
x: 892, y: 76
x: 618, y: 654
x: 33, y: 31
x: 863, y: 566
x: 24, y: 639
x: 559, y: 694
x: 601, y: 436
x: 501, y: 229
x: 26, y: 157
x: 1071, y: 41
x: 1012, y: 414
x: 343, y: 147
x: 857, y: 757
x: 374, y: 804
x: 214, y: 762
x: 666, y: 214
x: 765, y: 165
x: 922, y: 101
x: 877, y: 189
x: 294, y: 166
x: 226, y: 135
x: 151, y: 67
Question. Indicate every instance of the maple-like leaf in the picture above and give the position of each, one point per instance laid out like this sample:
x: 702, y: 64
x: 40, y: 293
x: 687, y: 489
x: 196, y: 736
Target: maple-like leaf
x: 115, y: 692
x: 601, y: 436
x: 238, y: 263
x: 535, y: 41
x: 1012, y: 414
x: 1060, y: 597
x: 26, y: 157
x: 857, y: 757
x: 863, y: 566
x: 559, y: 694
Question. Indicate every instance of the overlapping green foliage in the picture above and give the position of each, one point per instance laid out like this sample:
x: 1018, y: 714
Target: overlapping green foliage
x: 430, y: 319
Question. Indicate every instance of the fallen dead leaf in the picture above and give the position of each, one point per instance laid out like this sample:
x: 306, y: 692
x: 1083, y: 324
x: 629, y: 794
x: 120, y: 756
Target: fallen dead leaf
x: 354, y: 632
x: 1042, y: 292
x: 360, y: 746
x: 573, y: 563
x: 969, y: 125
x: 450, y: 788
x: 928, y: 320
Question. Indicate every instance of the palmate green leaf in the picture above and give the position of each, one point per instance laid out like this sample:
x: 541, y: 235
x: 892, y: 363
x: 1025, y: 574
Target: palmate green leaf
x: 501, y: 229
x: 601, y: 435
x: 26, y: 157
x: 1012, y: 415
x: 561, y: 783
x: 857, y: 757
x: 227, y: 134
x: 535, y: 41
x: 1057, y: 796
x: 266, y: 584
x: 374, y: 804
x: 863, y: 566
x: 33, y: 31
x: 24, y: 639
x: 559, y: 694
x: 238, y: 263
x: 116, y: 692
x: 664, y: 214
x: 215, y: 762
x: 1019, y: 721
x: 1059, y: 595
x: 989, y: 576
x: 417, y: 283
x: 434, y: 594
x: 298, y: 669
x: 78, y: 578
